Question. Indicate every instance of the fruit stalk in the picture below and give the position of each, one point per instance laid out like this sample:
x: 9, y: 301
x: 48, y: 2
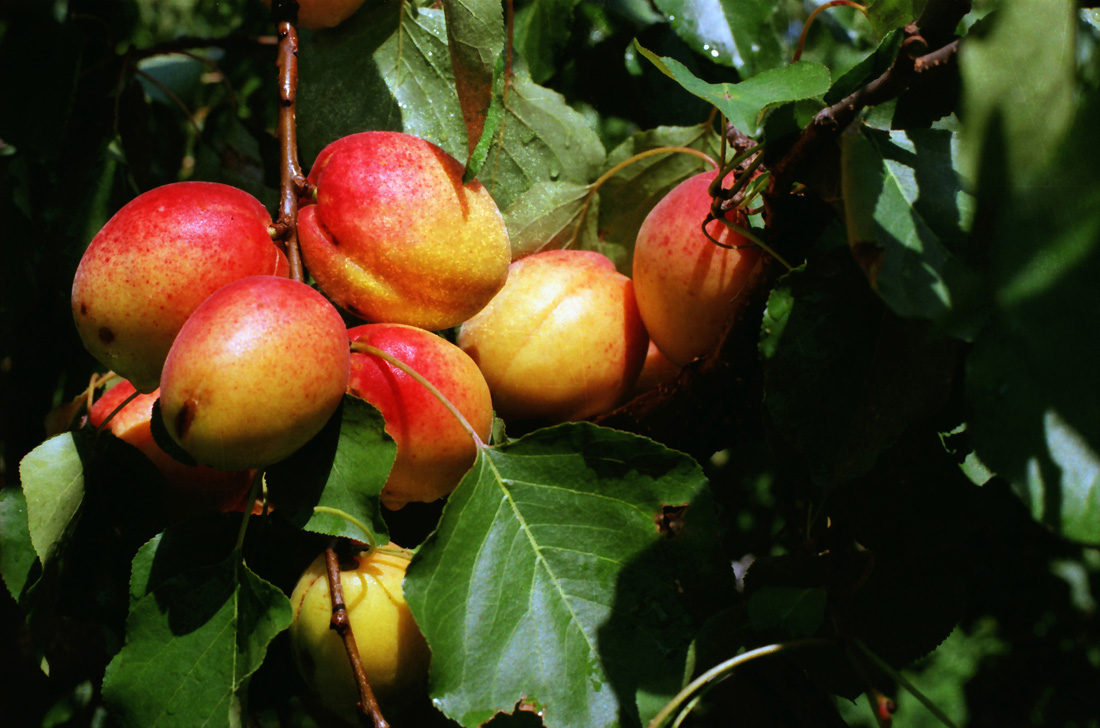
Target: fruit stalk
x: 292, y: 181
x: 340, y: 622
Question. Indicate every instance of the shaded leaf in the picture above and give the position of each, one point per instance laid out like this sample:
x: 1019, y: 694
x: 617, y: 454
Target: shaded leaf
x: 744, y: 102
x: 17, y: 555
x: 738, y: 34
x: 887, y: 15
x: 843, y: 378
x: 794, y: 612
x: 906, y: 209
x: 475, y: 36
x: 1027, y: 89
x: 192, y: 640
x: 344, y: 468
x: 53, y: 482
x: 549, y: 581
x: 541, y: 30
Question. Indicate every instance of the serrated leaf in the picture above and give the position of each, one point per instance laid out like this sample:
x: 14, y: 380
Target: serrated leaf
x: 343, y: 468
x: 17, y: 554
x: 369, y: 74
x: 1024, y: 89
x: 743, y: 103
x: 550, y: 581
x: 53, y: 482
x: 192, y: 640
x: 546, y: 217
x: 738, y: 34
x: 793, y: 612
x: 905, y: 209
x: 541, y: 30
x: 475, y: 36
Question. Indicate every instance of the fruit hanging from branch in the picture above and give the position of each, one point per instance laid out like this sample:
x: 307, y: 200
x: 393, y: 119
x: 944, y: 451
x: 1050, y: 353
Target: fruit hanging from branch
x: 434, y: 450
x: 393, y: 652
x: 686, y: 285
x: 396, y: 237
x: 562, y: 340
x: 255, y: 373
x: 156, y: 260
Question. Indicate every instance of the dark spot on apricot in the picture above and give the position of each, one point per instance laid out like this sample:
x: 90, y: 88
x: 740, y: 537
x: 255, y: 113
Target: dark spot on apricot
x: 106, y: 335
x: 185, y: 417
x: 83, y: 310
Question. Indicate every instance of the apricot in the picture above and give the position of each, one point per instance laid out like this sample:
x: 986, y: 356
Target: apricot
x: 688, y: 288
x: 156, y: 260
x: 394, y: 654
x: 434, y: 451
x: 255, y: 373
x: 191, y: 488
x: 396, y: 237
x: 318, y: 14
x: 561, y: 341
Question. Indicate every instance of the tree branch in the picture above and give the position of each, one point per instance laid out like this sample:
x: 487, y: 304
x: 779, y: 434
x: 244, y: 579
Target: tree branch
x: 292, y: 181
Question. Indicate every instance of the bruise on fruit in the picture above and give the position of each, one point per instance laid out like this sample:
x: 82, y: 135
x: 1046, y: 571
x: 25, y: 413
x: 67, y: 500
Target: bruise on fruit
x: 106, y: 335
x: 185, y: 417
x: 670, y: 521
x: 83, y: 309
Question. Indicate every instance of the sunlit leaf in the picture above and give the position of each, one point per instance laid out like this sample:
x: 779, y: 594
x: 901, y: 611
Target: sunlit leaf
x: 559, y: 578
x: 53, y: 482
x: 475, y: 36
x: 738, y: 34
x: 905, y: 209
x: 548, y: 216
x: 343, y: 468
x: 744, y: 102
x: 192, y: 640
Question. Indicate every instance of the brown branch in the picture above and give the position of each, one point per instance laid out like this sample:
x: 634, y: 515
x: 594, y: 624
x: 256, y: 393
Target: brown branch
x: 368, y: 704
x: 913, y: 63
x: 291, y: 180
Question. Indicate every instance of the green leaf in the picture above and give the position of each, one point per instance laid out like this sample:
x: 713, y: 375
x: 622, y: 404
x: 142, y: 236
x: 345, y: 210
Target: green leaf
x: 343, y: 468
x: 738, y: 34
x: 553, y: 581
x: 475, y: 36
x: 794, y: 612
x: 17, y: 555
x: 628, y: 196
x: 547, y: 216
x: 887, y: 15
x: 743, y: 103
x: 905, y: 210
x: 53, y: 482
x: 541, y: 30
x: 1026, y: 89
x: 366, y: 74
x: 192, y: 640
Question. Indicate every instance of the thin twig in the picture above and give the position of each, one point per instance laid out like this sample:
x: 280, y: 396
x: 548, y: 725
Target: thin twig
x: 341, y: 623
x: 291, y: 179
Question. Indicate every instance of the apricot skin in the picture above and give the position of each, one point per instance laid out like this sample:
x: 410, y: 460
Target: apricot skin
x: 687, y: 287
x: 434, y: 451
x: 562, y: 340
x: 156, y: 260
x: 255, y: 373
x: 395, y: 237
x: 394, y: 654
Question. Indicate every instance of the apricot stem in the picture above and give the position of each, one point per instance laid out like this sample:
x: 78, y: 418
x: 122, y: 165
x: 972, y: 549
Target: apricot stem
x: 341, y: 623
x: 595, y: 186
x: 904, y: 682
x: 285, y: 14
x: 363, y: 348
x: 253, y: 493
x: 107, y: 420
x: 721, y: 671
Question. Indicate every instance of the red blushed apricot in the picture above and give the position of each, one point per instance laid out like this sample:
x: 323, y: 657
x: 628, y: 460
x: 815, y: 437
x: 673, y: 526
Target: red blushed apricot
x: 156, y: 260
x: 191, y: 488
x: 255, y: 373
x: 396, y: 237
x: 562, y: 340
x: 434, y: 451
x: 687, y: 287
